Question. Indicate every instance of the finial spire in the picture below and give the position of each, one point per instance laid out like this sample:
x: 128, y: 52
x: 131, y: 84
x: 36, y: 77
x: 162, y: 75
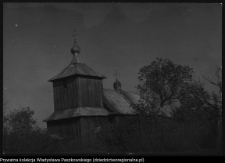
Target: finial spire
x: 116, y: 73
x: 74, y: 35
x: 75, y: 48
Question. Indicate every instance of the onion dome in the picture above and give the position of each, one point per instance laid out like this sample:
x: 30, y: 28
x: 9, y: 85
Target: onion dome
x: 117, y: 85
x: 75, y: 49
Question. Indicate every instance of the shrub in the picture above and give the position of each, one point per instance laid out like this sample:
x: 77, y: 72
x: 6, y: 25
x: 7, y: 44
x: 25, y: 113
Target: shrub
x: 158, y: 136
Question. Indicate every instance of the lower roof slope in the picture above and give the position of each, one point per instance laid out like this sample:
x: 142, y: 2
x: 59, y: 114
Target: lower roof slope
x: 77, y: 112
x: 120, y: 102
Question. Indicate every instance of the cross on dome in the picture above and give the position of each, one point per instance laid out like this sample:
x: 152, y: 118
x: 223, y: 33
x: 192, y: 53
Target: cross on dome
x: 74, y: 34
x: 116, y: 74
x: 75, y: 48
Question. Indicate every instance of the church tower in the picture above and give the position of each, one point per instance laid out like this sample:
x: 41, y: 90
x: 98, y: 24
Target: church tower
x: 81, y: 106
x: 77, y: 85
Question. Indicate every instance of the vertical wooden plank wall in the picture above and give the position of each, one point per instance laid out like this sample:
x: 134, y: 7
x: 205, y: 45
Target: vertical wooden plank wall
x: 79, y: 92
x: 68, y: 128
x: 90, y: 92
x: 89, y: 127
x: 81, y: 129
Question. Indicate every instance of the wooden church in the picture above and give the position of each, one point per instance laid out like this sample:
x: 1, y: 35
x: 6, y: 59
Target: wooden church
x: 81, y: 104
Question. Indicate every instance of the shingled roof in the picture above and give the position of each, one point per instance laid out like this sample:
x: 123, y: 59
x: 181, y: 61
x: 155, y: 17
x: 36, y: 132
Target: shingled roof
x: 77, y: 69
x: 120, y: 102
x: 77, y: 112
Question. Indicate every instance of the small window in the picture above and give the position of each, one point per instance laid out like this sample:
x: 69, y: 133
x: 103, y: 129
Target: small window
x: 116, y: 120
x: 89, y: 84
x: 64, y: 84
x: 97, y: 129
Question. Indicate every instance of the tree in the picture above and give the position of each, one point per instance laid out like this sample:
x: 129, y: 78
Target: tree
x: 4, y: 114
x: 5, y: 120
x: 215, y: 99
x: 165, y: 83
x: 162, y: 83
x: 191, y: 104
x: 19, y: 131
x: 21, y: 120
x: 212, y: 101
x: 202, y: 104
x: 198, y: 97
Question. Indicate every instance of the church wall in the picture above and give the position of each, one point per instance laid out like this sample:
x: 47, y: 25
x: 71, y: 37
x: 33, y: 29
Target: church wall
x: 65, y: 93
x: 82, y: 129
x: 67, y: 128
x: 75, y: 92
x: 91, y: 126
x: 90, y: 92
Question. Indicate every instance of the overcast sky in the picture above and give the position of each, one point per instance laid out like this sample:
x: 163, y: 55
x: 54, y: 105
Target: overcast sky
x: 37, y: 38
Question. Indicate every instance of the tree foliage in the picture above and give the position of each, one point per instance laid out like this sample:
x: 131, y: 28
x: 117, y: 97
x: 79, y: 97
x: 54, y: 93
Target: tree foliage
x: 4, y: 112
x: 165, y: 83
x: 197, y: 97
x: 161, y: 83
x: 21, y: 134
x: 194, y: 96
x: 215, y: 98
x: 21, y: 120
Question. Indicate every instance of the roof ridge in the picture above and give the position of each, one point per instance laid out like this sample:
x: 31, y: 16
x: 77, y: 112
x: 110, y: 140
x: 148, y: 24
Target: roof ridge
x: 122, y: 90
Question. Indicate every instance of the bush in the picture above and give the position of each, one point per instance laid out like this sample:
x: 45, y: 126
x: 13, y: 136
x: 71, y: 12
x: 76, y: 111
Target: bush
x: 131, y: 134
x: 22, y: 135
x: 164, y: 135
